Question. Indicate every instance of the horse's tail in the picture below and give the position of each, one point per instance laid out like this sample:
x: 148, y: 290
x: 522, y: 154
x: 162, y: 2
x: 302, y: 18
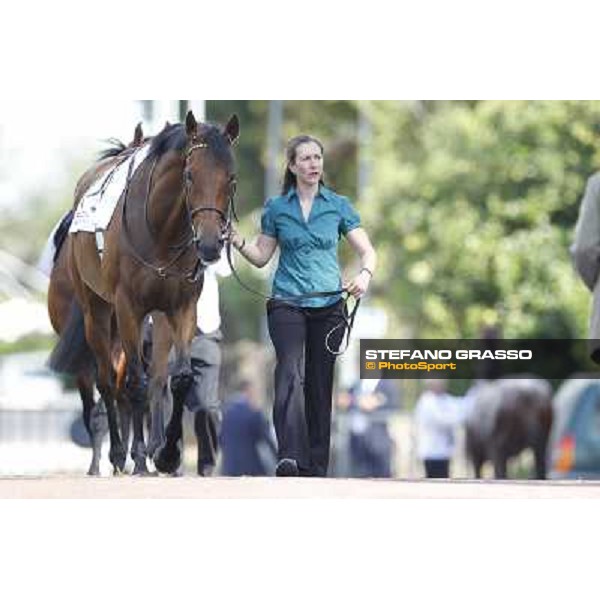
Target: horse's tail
x: 61, y: 232
x: 72, y: 354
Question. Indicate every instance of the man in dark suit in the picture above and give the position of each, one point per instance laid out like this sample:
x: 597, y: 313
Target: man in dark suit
x: 247, y: 445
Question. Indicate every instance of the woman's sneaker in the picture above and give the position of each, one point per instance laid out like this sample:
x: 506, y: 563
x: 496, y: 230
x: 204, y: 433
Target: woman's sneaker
x: 287, y: 467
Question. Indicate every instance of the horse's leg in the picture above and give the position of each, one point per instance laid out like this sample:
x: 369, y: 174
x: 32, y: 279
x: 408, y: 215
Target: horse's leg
x: 138, y: 411
x: 499, y: 460
x: 540, y: 462
x: 97, y: 315
x: 94, y: 418
x: 157, y: 392
x: 183, y: 325
x: 122, y: 398
x: 540, y: 446
x: 157, y: 388
x: 539, y: 453
x: 124, y: 408
x: 130, y: 327
x: 474, y: 451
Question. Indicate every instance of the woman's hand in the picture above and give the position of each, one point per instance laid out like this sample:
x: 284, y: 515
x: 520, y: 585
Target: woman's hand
x: 359, y: 285
x: 236, y: 240
x: 257, y: 251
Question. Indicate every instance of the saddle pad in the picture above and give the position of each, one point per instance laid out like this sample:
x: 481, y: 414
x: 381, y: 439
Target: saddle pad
x: 96, y: 207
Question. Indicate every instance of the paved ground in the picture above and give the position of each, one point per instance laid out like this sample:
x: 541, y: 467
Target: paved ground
x: 271, y: 488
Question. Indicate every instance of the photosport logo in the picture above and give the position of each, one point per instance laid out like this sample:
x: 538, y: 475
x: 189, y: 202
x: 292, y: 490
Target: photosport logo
x: 475, y: 359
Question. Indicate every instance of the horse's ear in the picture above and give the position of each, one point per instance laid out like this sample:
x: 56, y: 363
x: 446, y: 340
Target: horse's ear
x: 191, y: 125
x: 138, y: 135
x: 232, y: 129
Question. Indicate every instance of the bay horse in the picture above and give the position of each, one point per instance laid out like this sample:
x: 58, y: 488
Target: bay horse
x: 60, y: 300
x: 508, y: 416
x: 171, y: 221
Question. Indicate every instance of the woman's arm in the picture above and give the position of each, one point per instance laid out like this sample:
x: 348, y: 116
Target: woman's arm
x: 258, y: 252
x: 359, y: 240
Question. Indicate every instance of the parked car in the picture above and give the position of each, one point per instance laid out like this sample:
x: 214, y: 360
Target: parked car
x: 574, y: 448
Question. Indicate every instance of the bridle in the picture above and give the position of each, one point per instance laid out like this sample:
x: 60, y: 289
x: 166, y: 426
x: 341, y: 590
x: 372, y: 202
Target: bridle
x: 226, y: 218
x: 192, y: 238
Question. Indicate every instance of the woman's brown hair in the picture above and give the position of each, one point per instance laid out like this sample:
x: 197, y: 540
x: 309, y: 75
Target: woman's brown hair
x: 289, y: 179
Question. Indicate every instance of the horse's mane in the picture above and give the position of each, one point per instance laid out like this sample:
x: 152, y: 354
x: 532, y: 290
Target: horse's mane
x: 173, y: 137
x: 115, y: 148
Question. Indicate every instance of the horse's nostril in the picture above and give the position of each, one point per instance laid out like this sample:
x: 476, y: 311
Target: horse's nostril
x: 209, y: 252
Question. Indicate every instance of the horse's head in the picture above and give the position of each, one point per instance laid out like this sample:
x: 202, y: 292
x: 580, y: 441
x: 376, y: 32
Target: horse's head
x: 209, y: 183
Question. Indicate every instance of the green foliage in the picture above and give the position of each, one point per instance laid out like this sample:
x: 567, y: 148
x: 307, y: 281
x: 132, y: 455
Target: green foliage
x: 472, y: 208
x: 250, y: 150
x: 28, y: 343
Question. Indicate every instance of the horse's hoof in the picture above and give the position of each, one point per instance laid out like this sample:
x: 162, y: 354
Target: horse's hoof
x: 152, y: 449
x: 141, y: 469
x: 181, y: 383
x: 117, y: 459
x: 167, y: 460
x: 93, y: 471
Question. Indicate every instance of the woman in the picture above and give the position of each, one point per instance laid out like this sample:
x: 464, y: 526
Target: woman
x: 306, y: 222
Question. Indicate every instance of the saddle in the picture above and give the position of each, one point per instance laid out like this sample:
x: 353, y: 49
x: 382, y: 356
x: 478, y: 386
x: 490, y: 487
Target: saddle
x: 97, y: 205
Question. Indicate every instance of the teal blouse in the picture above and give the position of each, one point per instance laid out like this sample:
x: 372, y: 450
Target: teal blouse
x: 308, y: 260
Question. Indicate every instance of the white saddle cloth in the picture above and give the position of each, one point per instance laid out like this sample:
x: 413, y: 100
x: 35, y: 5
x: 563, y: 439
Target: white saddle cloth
x: 96, y: 207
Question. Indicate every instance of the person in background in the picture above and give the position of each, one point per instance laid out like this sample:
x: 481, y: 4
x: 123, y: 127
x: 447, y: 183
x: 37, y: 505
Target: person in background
x: 437, y: 415
x: 247, y: 445
x: 585, y: 252
x: 203, y: 396
x: 370, y: 444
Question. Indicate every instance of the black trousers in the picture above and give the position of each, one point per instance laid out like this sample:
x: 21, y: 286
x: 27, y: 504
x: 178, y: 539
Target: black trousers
x: 437, y: 468
x: 304, y: 381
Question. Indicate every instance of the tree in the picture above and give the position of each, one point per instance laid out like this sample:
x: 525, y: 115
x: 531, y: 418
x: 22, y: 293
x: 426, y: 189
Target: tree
x: 472, y: 207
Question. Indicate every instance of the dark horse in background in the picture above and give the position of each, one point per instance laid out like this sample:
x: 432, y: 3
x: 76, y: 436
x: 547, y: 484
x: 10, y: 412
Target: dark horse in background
x: 170, y: 222
x: 61, y: 296
x: 508, y: 416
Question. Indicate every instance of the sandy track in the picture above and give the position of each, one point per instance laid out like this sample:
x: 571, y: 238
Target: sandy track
x: 271, y: 488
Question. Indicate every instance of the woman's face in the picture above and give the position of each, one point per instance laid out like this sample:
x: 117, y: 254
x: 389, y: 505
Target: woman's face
x: 308, y: 164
